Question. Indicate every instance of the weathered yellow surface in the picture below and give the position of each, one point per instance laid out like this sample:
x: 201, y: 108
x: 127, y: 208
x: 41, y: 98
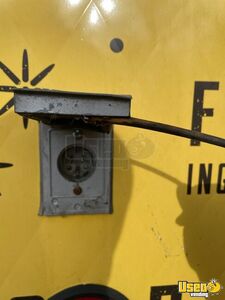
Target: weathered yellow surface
x: 157, y: 234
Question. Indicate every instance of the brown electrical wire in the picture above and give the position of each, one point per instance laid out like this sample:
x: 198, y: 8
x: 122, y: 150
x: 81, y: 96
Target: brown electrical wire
x: 160, y: 127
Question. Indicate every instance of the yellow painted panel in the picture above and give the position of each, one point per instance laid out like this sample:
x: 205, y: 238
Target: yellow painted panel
x: 158, y: 234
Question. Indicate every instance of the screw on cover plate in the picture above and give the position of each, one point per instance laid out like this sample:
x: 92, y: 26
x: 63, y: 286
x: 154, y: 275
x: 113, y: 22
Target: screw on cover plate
x: 78, y: 134
x: 77, y: 190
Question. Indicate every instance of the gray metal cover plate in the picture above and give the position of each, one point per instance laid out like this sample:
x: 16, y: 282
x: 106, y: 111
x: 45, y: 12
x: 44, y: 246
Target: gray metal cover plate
x: 49, y: 102
x: 57, y: 196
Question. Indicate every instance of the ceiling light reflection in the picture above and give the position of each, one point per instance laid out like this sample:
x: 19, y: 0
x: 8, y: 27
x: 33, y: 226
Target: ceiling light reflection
x: 94, y: 16
x: 108, y: 5
x: 73, y: 2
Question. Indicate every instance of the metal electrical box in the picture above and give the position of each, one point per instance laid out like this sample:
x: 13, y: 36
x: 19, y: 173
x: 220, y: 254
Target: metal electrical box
x: 76, y: 158
x: 76, y: 171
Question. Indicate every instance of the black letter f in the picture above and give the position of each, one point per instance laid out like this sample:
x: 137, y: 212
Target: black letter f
x: 198, y: 110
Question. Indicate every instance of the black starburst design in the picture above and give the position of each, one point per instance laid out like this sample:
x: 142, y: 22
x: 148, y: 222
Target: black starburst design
x: 17, y: 81
x: 25, y: 78
x: 5, y: 165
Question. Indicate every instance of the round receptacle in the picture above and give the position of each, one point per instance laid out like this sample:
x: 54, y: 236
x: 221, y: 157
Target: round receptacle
x: 76, y: 163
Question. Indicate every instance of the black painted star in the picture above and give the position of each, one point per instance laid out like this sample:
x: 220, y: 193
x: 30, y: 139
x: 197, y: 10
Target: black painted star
x: 5, y: 165
x: 25, y: 78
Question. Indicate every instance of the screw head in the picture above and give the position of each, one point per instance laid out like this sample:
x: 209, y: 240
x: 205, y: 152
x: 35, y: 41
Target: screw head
x: 77, y: 190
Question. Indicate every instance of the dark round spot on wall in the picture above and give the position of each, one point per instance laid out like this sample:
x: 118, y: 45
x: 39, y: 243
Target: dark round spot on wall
x: 116, y: 45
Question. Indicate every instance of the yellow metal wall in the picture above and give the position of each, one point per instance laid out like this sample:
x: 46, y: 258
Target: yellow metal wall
x: 157, y: 234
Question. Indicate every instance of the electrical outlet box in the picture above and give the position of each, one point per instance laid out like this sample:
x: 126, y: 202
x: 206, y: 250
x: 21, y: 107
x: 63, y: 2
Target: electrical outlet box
x: 76, y: 158
x: 76, y: 171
